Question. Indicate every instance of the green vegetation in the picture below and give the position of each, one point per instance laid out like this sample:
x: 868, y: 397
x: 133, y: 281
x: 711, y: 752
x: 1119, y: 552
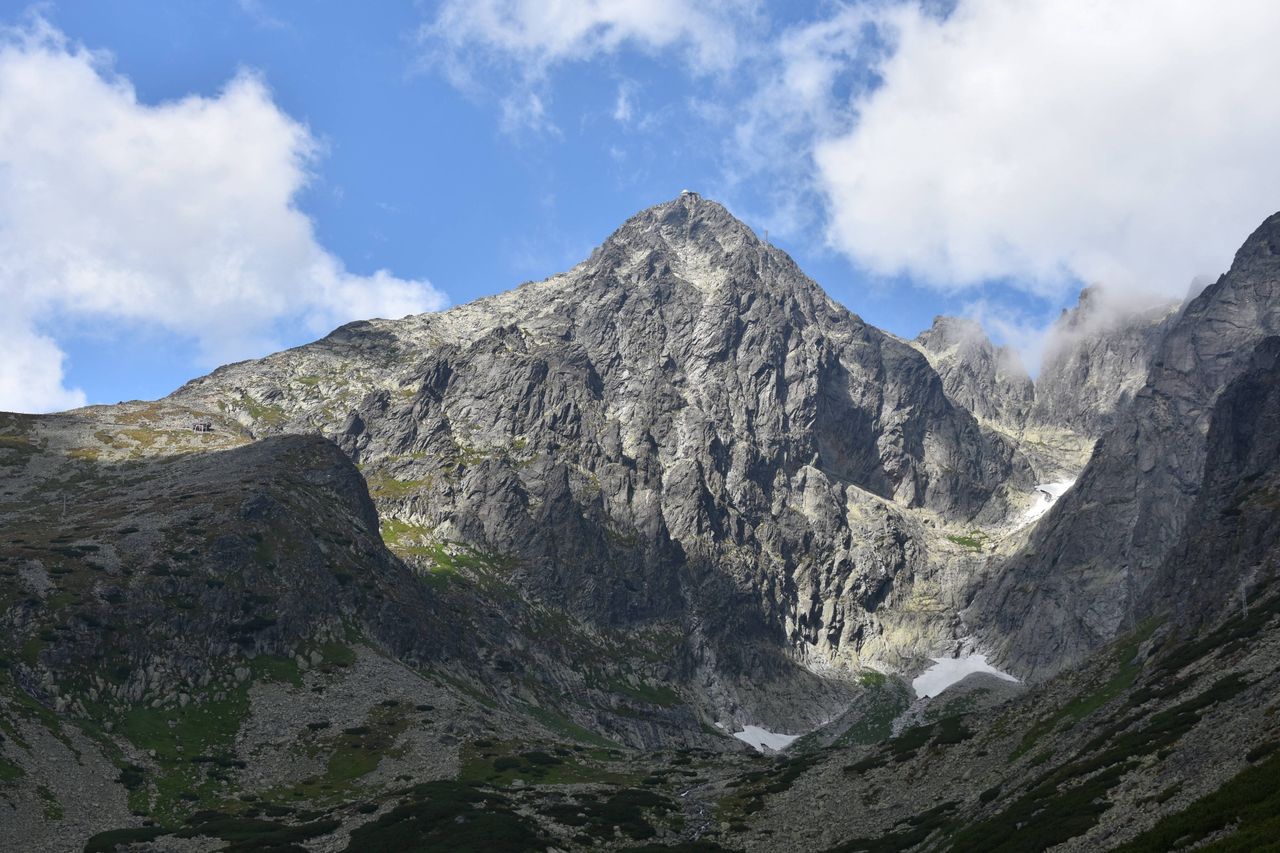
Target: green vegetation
x: 358, y: 751
x: 1248, y: 806
x: 447, y: 817
x: 267, y: 413
x: 242, y: 834
x: 9, y: 771
x: 500, y: 764
x: 16, y: 442
x: 107, y: 842
x: 181, y: 736
x: 350, y: 754
x: 660, y: 695
x: 396, y: 532
x: 751, y: 787
x: 684, y: 847
x: 945, y: 732
x: 917, y: 829
x: 336, y: 654
x: 414, y: 541
x: 976, y: 540
x: 566, y: 728
x: 246, y: 834
x: 1050, y: 813
x: 1124, y: 671
x: 386, y: 487
x: 1068, y: 801
x: 440, y: 561
x: 1224, y: 638
x: 274, y: 668
x: 49, y: 804
x: 143, y: 436
x: 885, y: 701
x: 454, y: 557
x: 629, y: 811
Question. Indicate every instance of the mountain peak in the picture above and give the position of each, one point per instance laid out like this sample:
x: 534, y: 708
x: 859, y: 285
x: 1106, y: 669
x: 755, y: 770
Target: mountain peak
x: 987, y: 380
x: 1263, y: 243
x: 687, y: 222
x: 948, y: 331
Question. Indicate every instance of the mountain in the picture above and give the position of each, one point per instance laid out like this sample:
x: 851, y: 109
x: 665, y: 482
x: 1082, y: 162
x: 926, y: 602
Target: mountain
x: 530, y: 574
x: 986, y: 380
x: 685, y: 406
x: 1096, y: 360
x: 1082, y: 578
x: 1164, y: 738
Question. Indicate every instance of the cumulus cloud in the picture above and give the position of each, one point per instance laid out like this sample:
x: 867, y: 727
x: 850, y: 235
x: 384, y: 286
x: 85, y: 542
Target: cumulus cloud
x: 1130, y: 143
x: 180, y: 215
x: 31, y: 371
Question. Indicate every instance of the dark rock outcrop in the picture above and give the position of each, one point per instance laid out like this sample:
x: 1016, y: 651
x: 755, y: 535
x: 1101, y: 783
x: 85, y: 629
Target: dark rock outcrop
x: 1230, y: 545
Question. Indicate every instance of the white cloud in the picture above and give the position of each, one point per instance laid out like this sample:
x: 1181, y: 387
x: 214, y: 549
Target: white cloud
x: 1129, y: 142
x: 31, y: 377
x: 793, y: 99
x: 540, y: 35
x: 1043, y: 142
x: 623, y: 109
x: 1026, y: 333
x: 525, y: 40
x: 180, y: 215
x: 261, y: 15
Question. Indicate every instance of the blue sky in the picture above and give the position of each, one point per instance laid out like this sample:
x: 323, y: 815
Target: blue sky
x: 461, y: 148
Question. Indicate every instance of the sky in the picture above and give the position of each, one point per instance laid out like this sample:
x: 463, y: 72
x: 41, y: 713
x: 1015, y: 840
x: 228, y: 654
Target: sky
x: 183, y: 185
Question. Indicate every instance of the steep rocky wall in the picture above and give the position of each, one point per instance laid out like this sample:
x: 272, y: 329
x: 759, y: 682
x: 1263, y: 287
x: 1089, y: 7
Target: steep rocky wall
x: 1093, y: 559
x: 1230, y: 546
x: 1096, y: 359
x: 684, y: 423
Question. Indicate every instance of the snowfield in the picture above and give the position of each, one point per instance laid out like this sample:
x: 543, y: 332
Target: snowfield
x: 761, y: 738
x: 1046, y: 495
x: 947, y: 671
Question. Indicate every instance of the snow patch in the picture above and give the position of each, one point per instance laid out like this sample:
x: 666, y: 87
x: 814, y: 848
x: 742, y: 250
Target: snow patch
x: 947, y: 671
x: 760, y: 738
x: 1045, y: 496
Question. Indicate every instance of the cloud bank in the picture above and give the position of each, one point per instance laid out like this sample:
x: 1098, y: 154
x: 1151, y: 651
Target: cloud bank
x: 179, y: 215
x: 1129, y: 143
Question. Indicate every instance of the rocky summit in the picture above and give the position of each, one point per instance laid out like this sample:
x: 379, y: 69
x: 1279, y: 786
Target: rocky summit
x: 668, y: 551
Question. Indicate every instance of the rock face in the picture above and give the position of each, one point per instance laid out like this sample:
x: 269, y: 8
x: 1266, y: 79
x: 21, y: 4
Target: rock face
x: 1093, y: 559
x: 1229, y: 548
x: 683, y: 423
x: 987, y: 380
x: 1096, y: 360
x: 166, y: 570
